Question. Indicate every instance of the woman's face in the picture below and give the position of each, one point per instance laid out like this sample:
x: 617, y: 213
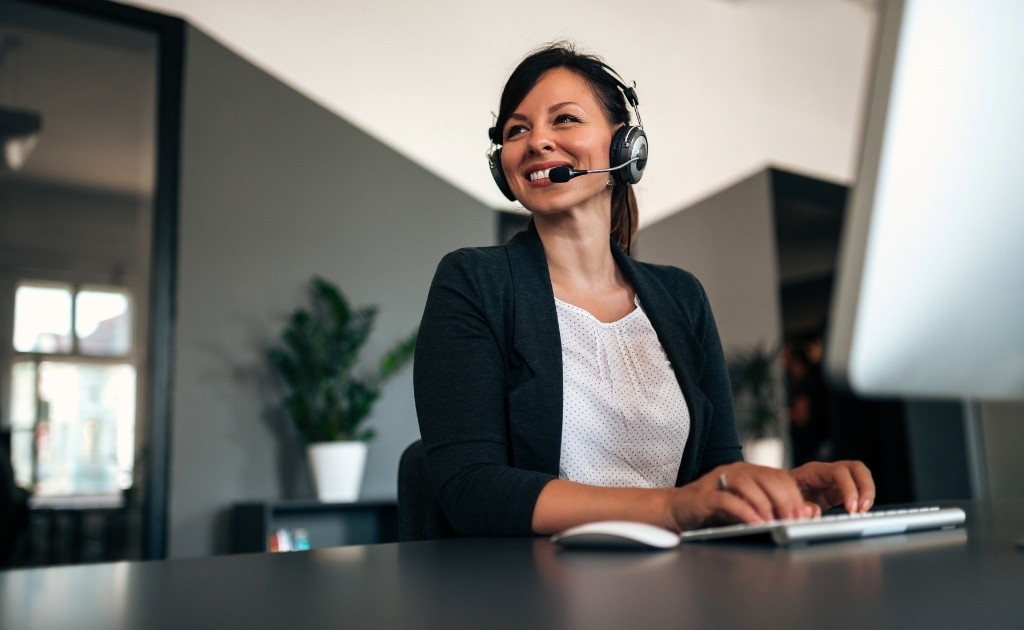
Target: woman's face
x: 559, y: 123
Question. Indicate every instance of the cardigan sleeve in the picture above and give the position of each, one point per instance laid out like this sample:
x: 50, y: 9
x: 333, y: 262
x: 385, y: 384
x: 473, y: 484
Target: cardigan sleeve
x: 459, y: 382
x: 722, y: 445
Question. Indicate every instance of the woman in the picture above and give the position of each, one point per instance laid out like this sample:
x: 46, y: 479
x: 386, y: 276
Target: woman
x: 560, y: 382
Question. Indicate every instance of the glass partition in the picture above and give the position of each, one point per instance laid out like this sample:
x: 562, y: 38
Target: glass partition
x: 78, y: 111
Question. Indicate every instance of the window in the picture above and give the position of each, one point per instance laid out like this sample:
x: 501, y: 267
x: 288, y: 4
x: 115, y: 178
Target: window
x: 73, y: 389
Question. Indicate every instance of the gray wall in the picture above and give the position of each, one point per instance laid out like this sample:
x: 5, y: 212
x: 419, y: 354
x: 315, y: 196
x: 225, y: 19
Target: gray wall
x: 274, y: 189
x: 1003, y: 435
x: 942, y: 451
x: 937, y: 439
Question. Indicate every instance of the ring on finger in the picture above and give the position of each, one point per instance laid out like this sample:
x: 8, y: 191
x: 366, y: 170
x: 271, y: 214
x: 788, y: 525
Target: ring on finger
x: 723, y: 482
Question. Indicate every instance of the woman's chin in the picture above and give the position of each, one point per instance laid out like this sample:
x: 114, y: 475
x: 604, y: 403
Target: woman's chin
x: 555, y: 202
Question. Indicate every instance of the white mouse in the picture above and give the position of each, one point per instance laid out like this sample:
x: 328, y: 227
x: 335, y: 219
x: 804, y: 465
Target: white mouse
x: 618, y: 534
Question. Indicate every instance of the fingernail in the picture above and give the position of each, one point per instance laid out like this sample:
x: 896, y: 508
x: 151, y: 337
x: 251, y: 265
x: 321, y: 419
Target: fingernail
x: 865, y: 505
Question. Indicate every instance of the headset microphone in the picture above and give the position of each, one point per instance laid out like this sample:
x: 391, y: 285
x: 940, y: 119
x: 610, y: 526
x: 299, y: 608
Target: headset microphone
x: 562, y: 174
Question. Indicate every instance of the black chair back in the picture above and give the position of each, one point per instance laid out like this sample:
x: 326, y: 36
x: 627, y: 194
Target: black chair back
x: 415, y: 493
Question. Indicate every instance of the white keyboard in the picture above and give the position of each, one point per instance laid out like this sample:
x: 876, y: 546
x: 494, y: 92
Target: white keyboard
x: 837, y: 526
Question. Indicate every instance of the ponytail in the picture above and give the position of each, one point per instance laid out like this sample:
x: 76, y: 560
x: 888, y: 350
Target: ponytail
x: 624, y: 216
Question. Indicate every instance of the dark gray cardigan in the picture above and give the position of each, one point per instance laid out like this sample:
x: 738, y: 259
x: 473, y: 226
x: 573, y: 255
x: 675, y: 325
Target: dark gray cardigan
x: 488, y: 381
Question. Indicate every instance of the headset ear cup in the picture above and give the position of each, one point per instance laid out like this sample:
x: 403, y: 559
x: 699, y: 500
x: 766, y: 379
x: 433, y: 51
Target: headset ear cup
x: 494, y: 163
x: 628, y: 143
x: 615, y: 154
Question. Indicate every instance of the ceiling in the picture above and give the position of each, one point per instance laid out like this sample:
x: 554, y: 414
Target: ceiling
x: 726, y: 87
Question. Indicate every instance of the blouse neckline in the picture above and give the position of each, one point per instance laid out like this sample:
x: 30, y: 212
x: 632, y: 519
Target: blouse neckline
x: 595, y: 320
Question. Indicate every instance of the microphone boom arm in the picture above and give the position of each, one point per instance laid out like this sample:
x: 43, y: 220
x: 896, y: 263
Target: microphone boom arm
x: 562, y: 174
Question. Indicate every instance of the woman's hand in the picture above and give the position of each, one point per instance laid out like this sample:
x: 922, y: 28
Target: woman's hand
x: 829, y: 484
x: 739, y: 492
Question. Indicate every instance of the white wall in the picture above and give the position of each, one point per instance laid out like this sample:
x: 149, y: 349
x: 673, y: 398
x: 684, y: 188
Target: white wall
x: 275, y: 189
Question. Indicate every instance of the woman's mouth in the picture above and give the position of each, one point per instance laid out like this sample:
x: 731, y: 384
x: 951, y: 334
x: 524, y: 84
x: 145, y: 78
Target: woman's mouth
x: 543, y: 173
x: 539, y: 175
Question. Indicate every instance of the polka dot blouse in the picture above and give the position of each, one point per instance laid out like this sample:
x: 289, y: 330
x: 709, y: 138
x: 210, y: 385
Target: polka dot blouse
x: 624, y: 418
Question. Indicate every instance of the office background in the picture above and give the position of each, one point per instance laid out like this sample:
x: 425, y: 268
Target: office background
x: 278, y: 181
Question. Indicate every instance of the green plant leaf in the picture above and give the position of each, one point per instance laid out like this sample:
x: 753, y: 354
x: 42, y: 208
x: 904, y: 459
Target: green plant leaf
x: 398, y: 356
x: 755, y: 385
x: 318, y: 352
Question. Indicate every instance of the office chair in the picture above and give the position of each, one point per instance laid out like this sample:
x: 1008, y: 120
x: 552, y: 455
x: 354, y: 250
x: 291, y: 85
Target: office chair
x: 415, y: 493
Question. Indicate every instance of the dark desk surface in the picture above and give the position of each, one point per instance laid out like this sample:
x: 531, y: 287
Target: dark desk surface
x: 967, y: 578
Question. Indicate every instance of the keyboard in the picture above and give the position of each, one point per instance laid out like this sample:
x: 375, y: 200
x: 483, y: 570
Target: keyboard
x: 836, y: 526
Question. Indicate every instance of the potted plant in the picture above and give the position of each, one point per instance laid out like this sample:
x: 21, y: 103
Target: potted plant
x: 754, y: 376
x: 326, y: 400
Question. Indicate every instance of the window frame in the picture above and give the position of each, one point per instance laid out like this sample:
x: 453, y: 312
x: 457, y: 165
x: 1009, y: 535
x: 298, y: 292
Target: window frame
x: 74, y: 286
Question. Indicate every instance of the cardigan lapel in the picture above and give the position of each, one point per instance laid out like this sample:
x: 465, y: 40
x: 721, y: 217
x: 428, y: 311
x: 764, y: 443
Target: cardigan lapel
x: 683, y: 349
x: 535, y: 359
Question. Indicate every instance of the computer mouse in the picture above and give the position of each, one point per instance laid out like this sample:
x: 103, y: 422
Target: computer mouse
x: 617, y: 534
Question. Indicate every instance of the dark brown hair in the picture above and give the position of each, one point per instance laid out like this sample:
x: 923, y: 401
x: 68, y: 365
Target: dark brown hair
x: 607, y: 88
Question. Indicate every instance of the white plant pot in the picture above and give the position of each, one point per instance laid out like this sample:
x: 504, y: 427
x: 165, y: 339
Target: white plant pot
x: 337, y: 469
x: 765, y: 452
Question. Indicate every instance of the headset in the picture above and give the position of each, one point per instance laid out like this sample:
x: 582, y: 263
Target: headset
x: 628, y: 150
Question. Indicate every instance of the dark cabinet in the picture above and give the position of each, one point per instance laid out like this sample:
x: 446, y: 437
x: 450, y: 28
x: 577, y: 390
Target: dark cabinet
x: 254, y: 525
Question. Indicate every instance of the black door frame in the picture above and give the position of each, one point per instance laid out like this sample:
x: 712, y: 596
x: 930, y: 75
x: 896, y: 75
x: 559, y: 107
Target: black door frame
x: 170, y: 33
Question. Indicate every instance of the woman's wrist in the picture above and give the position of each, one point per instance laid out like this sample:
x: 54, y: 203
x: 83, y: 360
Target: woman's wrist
x: 562, y: 504
x: 664, y: 500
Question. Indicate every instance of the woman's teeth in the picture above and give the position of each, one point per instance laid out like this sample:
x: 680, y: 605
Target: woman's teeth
x: 534, y: 176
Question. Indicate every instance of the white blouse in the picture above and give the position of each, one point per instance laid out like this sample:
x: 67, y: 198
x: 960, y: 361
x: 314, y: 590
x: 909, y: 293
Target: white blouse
x: 624, y: 418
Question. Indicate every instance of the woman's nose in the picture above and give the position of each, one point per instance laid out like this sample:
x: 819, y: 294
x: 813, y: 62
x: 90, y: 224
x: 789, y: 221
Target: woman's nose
x: 540, y: 141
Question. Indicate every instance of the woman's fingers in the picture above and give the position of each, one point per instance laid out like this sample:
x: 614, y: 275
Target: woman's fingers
x: 747, y: 493
x: 844, y: 488
x: 865, y: 484
x: 729, y: 507
x: 746, y: 488
x: 847, y: 482
x: 708, y: 501
x: 771, y: 492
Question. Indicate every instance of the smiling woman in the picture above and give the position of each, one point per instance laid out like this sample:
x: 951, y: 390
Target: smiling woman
x: 559, y: 123
x: 600, y: 92
x: 599, y: 387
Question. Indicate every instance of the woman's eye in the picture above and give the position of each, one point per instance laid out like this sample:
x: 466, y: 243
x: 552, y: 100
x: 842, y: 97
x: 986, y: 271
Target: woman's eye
x: 514, y: 130
x: 566, y: 118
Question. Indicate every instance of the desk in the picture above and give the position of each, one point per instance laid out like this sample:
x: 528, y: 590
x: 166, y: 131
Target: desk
x: 968, y: 578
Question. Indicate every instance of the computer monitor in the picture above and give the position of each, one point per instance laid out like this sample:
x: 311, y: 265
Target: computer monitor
x: 929, y: 298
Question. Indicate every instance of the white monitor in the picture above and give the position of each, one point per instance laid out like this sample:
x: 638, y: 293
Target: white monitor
x: 929, y: 298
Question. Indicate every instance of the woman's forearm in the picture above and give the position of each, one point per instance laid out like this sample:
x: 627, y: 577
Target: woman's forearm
x: 563, y: 504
